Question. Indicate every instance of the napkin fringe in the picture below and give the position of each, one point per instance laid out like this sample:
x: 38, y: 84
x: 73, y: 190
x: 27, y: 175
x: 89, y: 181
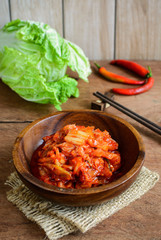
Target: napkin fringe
x: 52, y: 225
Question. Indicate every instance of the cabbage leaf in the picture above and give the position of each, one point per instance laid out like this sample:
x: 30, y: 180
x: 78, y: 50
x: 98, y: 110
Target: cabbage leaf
x: 34, y: 59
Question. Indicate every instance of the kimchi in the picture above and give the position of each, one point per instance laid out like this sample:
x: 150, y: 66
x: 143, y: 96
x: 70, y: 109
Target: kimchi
x: 76, y: 157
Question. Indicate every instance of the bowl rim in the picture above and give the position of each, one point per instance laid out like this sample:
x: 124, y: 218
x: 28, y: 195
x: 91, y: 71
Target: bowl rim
x: 27, y: 175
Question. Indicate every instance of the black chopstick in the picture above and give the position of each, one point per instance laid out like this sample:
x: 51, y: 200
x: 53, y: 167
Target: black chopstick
x: 147, y: 123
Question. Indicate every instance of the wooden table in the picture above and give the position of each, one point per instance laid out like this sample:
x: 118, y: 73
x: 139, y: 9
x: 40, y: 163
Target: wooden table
x: 142, y: 218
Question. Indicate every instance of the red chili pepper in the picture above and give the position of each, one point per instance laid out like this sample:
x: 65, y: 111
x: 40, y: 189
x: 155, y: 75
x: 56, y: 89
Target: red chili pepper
x: 133, y: 66
x: 134, y: 91
x: 117, y: 78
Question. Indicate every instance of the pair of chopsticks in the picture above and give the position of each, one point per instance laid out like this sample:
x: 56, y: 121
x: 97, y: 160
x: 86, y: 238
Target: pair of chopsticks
x: 154, y: 127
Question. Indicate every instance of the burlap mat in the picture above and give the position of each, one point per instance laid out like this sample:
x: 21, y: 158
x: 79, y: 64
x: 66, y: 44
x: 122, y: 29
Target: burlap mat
x: 58, y: 221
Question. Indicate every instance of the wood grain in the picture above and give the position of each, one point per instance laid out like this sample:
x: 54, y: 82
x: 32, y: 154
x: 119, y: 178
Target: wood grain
x: 146, y: 104
x: 28, y: 111
x: 4, y: 12
x: 138, y: 32
x: 104, y: 29
x: 90, y: 24
x: 48, y: 11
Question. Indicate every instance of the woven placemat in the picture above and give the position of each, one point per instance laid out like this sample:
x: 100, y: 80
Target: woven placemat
x: 58, y: 221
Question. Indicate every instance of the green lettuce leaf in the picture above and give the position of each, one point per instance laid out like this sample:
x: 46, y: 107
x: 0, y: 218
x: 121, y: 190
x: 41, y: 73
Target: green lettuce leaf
x: 34, y: 59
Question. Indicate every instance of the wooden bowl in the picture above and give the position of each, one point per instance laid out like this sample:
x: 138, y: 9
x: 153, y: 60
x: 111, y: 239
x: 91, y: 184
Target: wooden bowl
x: 130, y: 146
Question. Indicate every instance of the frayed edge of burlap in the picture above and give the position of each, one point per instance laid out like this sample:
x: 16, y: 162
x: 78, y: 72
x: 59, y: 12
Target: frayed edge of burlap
x: 36, y: 208
x: 57, y: 220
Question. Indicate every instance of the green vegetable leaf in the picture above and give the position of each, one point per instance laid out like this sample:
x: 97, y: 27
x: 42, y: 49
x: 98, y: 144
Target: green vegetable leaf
x: 34, y: 59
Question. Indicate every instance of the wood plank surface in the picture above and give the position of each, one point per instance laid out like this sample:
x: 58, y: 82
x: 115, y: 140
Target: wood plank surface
x: 90, y: 24
x: 11, y: 102
x: 146, y: 104
x: 48, y: 11
x: 4, y: 12
x: 104, y: 29
x: 142, y: 218
x: 138, y: 32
